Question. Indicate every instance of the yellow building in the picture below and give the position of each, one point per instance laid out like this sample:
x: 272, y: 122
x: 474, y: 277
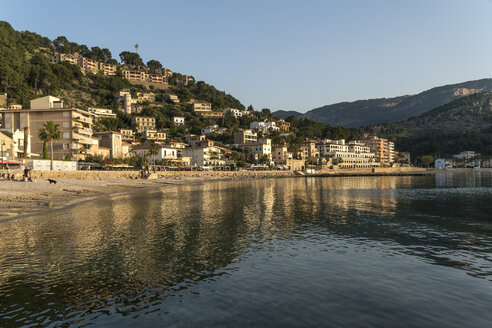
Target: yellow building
x: 143, y: 123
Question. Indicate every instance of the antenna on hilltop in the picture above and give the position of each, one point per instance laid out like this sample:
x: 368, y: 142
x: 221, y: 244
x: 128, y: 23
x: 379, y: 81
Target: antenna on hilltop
x: 136, y: 48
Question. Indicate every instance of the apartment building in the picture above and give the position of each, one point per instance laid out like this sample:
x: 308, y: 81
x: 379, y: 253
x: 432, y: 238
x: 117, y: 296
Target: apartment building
x: 142, y: 76
x: 75, y: 126
x: 108, y: 69
x: 383, y: 149
x: 142, y: 123
x: 154, y: 135
x: 71, y: 58
x: 245, y: 136
x: 7, y: 147
x: 86, y: 65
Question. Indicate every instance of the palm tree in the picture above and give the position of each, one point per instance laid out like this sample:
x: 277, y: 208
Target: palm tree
x: 50, y: 132
x: 153, y: 151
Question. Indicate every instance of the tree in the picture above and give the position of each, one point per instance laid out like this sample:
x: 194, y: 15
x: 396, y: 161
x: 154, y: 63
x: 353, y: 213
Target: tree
x: 266, y: 112
x: 153, y: 151
x: 131, y: 58
x: 427, y: 160
x: 50, y: 132
x: 154, y: 65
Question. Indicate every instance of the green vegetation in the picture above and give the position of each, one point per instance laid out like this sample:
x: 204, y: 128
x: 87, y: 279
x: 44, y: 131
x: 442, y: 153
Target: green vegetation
x: 48, y: 133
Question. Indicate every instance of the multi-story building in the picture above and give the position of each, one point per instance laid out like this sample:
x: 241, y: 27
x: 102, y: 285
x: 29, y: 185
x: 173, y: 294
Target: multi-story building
x: 200, y: 107
x: 88, y: 65
x: 114, y: 142
x: 211, y: 129
x: 383, y: 149
x: 258, y: 150
x: 178, y: 120
x: 354, y: 154
x: 281, y: 154
x: 142, y: 76
x: 205, y: 156
x: 71, y: 58
x: 130, y: 105
x: 101, y: 112
x: 154, y: 135
x: 313, y: 153
x: 142, y: 123
x: 108, y: 69
x: 283, y: 126
x: 75, y: 126
x: 166, y: 153
x: 300, y: 152
x: 245, y: 136
x: 127, y: 135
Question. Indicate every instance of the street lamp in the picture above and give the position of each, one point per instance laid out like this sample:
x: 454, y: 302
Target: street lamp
x: 3, y: 161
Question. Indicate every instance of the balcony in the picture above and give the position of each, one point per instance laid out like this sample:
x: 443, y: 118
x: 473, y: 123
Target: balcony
x: 82, y: 139
x: 84, y: 119
x: 82, y: 130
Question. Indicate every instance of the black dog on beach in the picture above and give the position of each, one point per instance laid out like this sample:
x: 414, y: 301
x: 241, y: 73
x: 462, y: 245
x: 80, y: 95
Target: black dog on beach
x: 52, y: 181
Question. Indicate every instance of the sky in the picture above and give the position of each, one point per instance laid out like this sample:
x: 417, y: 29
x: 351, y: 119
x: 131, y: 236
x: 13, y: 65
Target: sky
x: 283, y: 54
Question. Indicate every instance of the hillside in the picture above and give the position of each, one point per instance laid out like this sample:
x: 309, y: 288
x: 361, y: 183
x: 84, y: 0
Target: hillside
x: 27, y: 73
x: 379, y: 111
x: 462, y: 124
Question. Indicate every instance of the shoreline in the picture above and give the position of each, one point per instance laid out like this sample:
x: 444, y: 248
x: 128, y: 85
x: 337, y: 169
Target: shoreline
x: 20, y: 199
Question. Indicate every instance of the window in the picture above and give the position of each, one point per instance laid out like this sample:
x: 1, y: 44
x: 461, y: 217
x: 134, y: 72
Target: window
x: 66, y: 114
x: 66, y: 135
x: 65, y: 124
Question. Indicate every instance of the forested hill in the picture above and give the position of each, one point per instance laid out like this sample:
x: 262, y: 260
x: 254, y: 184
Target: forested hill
x: 462, y: 124
x: 26, y: 73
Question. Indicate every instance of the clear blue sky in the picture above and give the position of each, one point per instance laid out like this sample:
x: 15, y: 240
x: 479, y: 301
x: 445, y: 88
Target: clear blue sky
x: 280, y: 54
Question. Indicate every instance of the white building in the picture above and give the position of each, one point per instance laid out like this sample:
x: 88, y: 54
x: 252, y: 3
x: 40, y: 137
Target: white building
x: 258, y: 149
x: 101, y: 112
x: 234, y: 111
x: 264, y: 126
x: 165, y: 153
x: 209, y: 156
x: 354, y: 154
x: 178, y: 120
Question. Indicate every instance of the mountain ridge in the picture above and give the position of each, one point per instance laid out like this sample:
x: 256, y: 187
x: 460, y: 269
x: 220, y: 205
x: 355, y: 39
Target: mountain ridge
x: 383, y: 110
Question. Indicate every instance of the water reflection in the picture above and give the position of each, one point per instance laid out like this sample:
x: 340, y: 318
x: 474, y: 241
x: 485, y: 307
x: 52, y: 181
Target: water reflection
x: 128, y: 255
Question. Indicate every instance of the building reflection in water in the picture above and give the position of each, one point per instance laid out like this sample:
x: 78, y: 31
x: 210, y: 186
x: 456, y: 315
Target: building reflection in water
x: 125, y: 253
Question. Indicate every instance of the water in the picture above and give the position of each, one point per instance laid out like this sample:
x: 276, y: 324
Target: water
x: 341, y: 252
